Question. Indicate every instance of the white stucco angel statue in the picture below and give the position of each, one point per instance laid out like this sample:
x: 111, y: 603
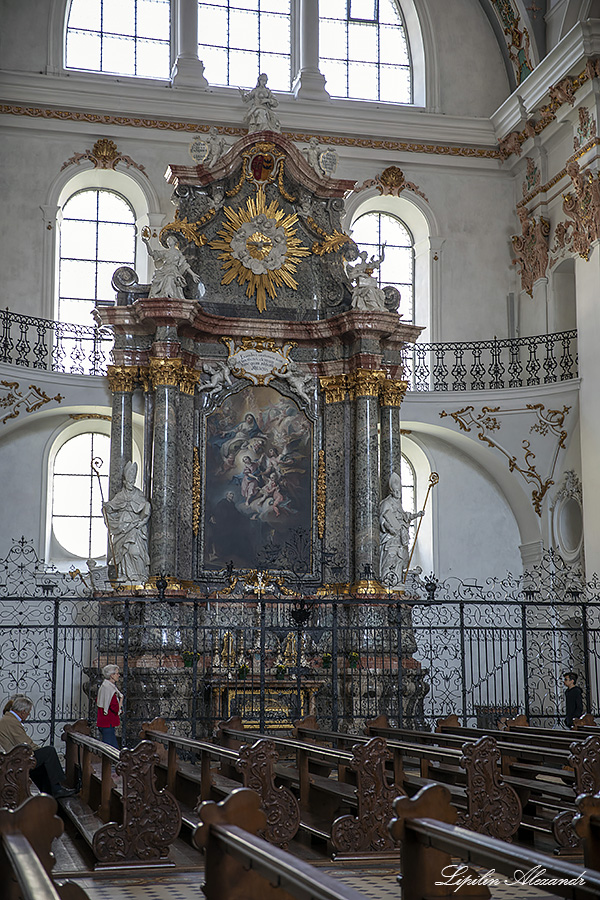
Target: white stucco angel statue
x: 366, y: 293
x: 219, y: 375
x: 171, y: 267
x: 299, y: 381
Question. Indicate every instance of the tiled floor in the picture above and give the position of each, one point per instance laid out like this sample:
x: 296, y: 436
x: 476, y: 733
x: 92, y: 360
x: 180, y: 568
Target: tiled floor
x: 375, y: 883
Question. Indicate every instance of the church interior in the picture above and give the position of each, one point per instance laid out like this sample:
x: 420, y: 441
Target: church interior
x: 299, y: 436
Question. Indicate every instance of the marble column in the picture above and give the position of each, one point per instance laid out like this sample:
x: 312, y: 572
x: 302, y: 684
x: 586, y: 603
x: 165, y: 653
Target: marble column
x: 165, y: 378
x: 121, y: 381
x: 185, y: 469
x: 188, y: 70
x: 391, y: 397
x: 364, y: 386
x: 309, y: 83
x: 333, y: 478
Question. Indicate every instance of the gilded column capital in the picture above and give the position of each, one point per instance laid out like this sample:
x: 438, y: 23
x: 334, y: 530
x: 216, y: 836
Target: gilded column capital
x: 144, y: 377
x: 334, y: 387
x: 365, y: 382
x: 393, y: 391
x: 188, y: 380
x: 165, y: 372
x: 122, y: 378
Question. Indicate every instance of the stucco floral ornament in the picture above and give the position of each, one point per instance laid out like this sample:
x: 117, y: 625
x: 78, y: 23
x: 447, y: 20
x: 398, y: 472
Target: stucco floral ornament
x: 259, y: 247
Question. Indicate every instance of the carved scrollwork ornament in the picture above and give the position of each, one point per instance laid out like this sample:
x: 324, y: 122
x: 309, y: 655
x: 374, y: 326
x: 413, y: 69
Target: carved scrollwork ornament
x: 256, y: 763
x: 321, y: 494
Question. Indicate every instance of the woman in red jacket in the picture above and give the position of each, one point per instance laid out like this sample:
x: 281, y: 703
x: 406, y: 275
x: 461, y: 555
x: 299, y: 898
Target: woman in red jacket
x: 110, y: 704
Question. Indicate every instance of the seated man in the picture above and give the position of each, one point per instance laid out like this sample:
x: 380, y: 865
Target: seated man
x: 48, y: 774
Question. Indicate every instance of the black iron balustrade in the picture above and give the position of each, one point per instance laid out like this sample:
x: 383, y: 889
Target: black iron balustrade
x: 481, y: 650
x: 51, y: 346
x: 452, y: 366
x: 493, y: 364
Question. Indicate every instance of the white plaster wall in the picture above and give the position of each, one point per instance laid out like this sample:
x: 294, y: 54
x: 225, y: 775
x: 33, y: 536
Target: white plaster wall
x: 473, y: 79
x: 475, y: 531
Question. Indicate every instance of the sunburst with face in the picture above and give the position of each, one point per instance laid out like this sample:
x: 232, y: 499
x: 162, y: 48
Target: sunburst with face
x: 259, y: 248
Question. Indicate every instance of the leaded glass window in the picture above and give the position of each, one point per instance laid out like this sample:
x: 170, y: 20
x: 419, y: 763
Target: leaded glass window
x: 121, y: 37
x: 239, y: 39
x: 364, y: 50
x: 97, y: 236
x: 77, y: 522
x: 370, y: 231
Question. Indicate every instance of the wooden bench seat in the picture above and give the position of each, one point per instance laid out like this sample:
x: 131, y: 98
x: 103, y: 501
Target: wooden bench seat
x: 132, y: 823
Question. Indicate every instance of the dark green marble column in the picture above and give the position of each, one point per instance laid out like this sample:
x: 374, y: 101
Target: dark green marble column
x: 364, y: 386
x: 165, y: 377
x: 121, y: 380
x: 391, y: 397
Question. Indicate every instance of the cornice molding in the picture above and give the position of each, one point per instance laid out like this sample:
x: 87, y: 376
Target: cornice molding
x: 567, y: 58
x: 127, y: 102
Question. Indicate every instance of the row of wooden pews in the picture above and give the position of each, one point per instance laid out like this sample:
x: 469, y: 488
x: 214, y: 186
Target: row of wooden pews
x: 547, y: 771
x: 424, y: 829
x: 238, y: 862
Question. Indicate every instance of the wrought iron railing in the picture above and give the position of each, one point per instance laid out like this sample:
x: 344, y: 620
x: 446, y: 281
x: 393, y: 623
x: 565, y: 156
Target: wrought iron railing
x: 454, y: 366
x: 492, y: 365
x: 480, y: 651
x: 53, y: 346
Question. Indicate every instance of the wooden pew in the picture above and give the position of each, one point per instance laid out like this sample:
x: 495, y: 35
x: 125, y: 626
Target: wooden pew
x: 531, y: 768
x: 424, y: 826
x: 15, y: 784
x: 252, y: 764
x: 26, y: 858
x: 131, y: 825
x: 484, y: 802
x: 349, y: 813
x: 241, y: 865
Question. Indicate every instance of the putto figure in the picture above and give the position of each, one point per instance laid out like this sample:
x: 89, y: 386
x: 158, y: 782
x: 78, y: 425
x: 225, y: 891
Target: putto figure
x: 261, y: 103
x: 171, y: 267
x: 127, y: 516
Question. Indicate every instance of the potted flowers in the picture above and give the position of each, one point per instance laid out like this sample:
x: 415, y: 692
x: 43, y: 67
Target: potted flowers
x: 280, y: 672
x: 243, y: 670
x: 188, y: 658
x: 353, y: 659
x: 326, y: 660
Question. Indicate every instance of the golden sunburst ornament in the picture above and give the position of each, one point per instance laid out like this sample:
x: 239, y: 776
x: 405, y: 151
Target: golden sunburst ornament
x: 259, y: 247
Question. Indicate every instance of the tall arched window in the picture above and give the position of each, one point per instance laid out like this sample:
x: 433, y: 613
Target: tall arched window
x: 372, y: 230
x: 78, y: 528
x: 97, y: 236
x: 242, y: 38
x: 121, y: 37
x: 364, y: 50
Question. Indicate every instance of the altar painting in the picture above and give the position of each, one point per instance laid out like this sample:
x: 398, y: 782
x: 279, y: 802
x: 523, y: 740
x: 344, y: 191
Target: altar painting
x: 257, y: 477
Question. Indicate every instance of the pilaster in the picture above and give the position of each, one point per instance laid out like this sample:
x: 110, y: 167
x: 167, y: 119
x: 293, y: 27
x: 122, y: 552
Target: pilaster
x: 122, y: 382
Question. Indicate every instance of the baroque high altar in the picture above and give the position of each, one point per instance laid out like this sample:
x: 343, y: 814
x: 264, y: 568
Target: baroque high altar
x: 272, y: 388
x: 271, y: 404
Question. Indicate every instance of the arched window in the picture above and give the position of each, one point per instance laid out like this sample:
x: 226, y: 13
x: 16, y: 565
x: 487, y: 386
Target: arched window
x: 77, y: 525
x: 409, y: 485
x: 373, y: 229
x: 242, y: 38
x: 97, y: 236
x: 121, y: 37
x: 364, y: 50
